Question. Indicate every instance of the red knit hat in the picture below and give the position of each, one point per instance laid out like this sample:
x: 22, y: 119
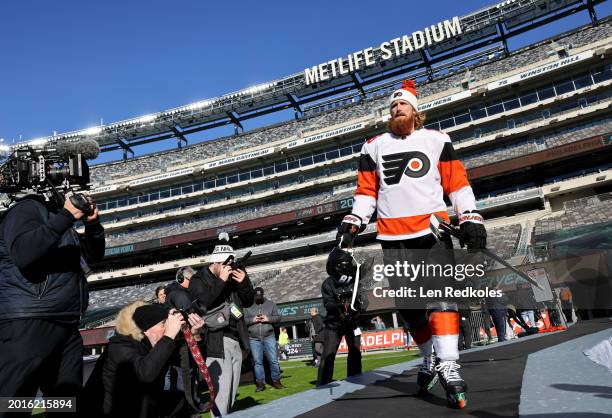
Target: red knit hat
x: 407, y: 93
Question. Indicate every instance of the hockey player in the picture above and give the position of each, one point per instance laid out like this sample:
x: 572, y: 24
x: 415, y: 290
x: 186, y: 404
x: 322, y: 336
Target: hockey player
x: 403, y: 175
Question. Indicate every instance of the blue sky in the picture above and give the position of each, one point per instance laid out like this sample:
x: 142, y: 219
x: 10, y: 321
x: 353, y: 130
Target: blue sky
x: 66, y: 64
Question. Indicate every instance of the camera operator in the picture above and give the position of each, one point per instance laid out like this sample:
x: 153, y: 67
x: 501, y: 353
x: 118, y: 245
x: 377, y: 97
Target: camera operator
x: 224, y: 291
x: 43, y: 294
x: 177, y: 294
x: 341, y: 320
x: 185, y: 376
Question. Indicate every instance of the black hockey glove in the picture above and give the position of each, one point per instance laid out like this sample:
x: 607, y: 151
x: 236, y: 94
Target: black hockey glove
x: 472, y: 230
x: 347, y: 231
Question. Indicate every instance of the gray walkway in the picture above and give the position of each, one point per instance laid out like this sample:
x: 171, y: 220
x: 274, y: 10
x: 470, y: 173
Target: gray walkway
x: 303, y: 402
x: 562, y: 381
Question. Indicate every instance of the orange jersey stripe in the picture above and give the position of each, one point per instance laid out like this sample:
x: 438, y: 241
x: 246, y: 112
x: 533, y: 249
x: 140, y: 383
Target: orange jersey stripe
x: 444, y: 323
x: 453, y: 175
x: 407, y: 225
x: 367, y: 183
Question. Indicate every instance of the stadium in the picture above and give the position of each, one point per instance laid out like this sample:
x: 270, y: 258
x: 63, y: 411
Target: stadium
x: 533, y: 127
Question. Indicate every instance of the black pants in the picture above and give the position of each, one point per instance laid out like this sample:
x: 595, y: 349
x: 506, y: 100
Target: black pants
x: 567, y: 311
x: 413, y: 313
x: 40, y: 354
x: 499, y: 320
x: 317, y: 351
x: 465, y: 331
x: 331, y: 342
x: 486, y: 322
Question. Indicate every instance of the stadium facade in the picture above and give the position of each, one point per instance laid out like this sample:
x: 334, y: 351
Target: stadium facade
x: 532, y: 126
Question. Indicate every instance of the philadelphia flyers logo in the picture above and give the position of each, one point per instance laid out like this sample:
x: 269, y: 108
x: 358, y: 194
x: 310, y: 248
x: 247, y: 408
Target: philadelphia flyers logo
x: 414, y: 164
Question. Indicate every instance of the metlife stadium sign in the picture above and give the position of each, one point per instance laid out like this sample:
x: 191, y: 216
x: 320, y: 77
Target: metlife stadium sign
x: 394, y: 48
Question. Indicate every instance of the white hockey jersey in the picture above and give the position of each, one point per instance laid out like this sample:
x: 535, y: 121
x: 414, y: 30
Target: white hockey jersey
x: 405, y: 180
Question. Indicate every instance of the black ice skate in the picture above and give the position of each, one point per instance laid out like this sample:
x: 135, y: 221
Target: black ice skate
x: 427, y: 377
x: 453, y: 384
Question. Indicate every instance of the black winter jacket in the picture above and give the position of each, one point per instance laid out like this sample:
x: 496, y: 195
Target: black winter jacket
x: 133, y: 375
x: 40, y: 263
x: 211, y: 291
x: 316, y: 324
x: 336, y: 300
x: 177, y: 297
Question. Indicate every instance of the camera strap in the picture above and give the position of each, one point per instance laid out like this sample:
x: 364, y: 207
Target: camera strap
x: 199, y: 360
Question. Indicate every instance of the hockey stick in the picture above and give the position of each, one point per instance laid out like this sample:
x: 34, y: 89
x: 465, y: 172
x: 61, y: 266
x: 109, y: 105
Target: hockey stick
x: 438, y: 225
x: 356, y: 284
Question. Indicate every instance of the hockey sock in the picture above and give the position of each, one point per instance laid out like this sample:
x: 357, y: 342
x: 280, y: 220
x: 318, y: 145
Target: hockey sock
x: 444, y: 328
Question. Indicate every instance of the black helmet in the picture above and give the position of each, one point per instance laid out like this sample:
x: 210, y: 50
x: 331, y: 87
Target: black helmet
x: 341, y: 265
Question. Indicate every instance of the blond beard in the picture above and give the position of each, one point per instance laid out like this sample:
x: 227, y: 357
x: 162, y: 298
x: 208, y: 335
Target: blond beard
x: 401, y: 125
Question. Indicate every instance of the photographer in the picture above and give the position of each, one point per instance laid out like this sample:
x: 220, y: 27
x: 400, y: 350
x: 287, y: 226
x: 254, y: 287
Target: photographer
x: 224, y: 292
x: 137, y: 360
x: 43, y: 294
x: 341, y: 320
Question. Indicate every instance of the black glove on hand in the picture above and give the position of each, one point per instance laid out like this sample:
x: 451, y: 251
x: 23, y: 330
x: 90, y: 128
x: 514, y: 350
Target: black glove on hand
x: 473, y: 230
x: 347, y: 231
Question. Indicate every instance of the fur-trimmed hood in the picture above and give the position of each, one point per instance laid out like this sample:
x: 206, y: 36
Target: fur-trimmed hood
x: 125, y: 324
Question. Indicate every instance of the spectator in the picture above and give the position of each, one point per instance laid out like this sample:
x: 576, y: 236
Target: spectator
x: 567, y: 304
x: 498, y: 311
x: 315, y: 331
x: 378, y: 323
x: 553, y: 313
x: 283, y: 342
x: 260, y: 319
x: 221, y: 289
x: 486, y: 321
x: 526, y: 305
x: 160, y: 295
x: 138, y: 357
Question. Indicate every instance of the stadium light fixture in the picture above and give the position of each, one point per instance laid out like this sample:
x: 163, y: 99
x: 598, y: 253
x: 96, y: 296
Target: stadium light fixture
x: 37, y: 142
x: 198, y: 105
x: 5, y: 150
x: 94, y: 130
x: 146, y: 119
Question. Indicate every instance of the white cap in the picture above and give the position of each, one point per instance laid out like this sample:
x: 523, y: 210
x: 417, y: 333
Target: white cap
x: 220, y: 253
x: 406, y: 93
